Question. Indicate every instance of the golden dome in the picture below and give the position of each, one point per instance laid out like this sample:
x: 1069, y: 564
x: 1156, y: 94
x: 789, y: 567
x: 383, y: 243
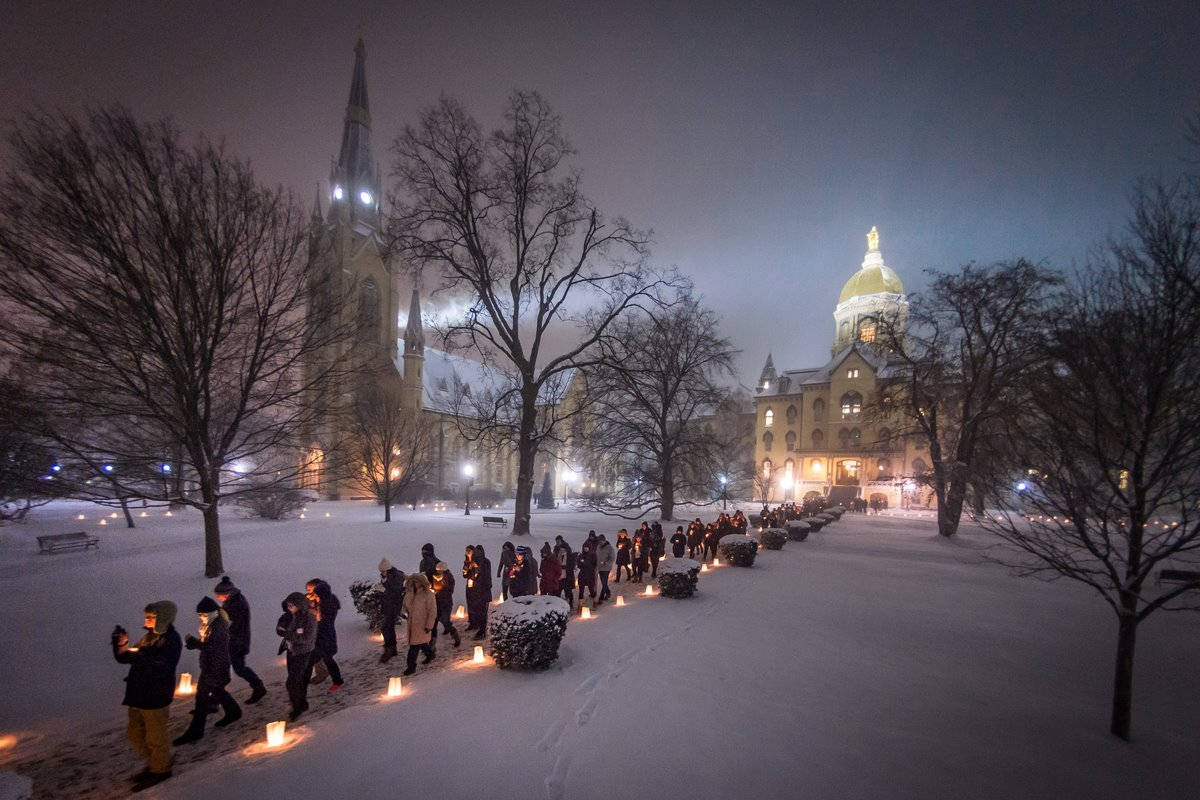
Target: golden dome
x: 875, y: 277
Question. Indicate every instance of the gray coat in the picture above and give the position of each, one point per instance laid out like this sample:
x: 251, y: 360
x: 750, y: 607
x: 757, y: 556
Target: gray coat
x: 301, y: 635
x: 605, y: 556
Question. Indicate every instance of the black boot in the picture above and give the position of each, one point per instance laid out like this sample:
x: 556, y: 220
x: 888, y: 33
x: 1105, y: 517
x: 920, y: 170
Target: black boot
x: 191, y: 735
x: 231, y: 716
x: 456, y: 637
x: 388, y: 654
x: 151, y: 779
x: 256, y: 693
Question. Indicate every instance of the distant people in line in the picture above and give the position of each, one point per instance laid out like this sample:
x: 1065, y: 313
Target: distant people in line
x: 149, y: 689
x: 237, y: 609
x: 212, y: 640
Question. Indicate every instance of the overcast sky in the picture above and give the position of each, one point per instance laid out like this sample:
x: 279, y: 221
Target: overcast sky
x: 760, y: 141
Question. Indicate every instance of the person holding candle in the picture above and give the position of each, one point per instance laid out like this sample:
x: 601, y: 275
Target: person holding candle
x: 587, y: 573
x: 391, y: 604
x: 640, y: 552
x: 149, y: 689
x: 213, y: 644
x: 420, y: 606
x: 695, y: 537
x: 604, y: 565
x: 325, y: 606
x: 429, y: 561
x: 566, y: 557
x: 524, y: 578
x: 237, y: 609
x: 479, y: 590
x: 508, y: 557
x: 468, y: 573
x: 678, y: 542
x: 443, y: 590
x: 624, y: 548
x: 300, y: 640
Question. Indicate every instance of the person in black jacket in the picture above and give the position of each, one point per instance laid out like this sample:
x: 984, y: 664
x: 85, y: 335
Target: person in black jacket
x: 479, y: 590
x: 678, y: 542
x: 429, y: 561
x: 213, y: 644
x: 149, y: 688
x: 566, y: 558
x: 325, y: 606
x: 508, y: 557
x: 234, y: 604
x: 624, y: 549
x: 587, y: 573
x: 391, y: 605
x: 658, y: 548
x: 443, y: 591
x: 524, y: 575
x: 695, y: 538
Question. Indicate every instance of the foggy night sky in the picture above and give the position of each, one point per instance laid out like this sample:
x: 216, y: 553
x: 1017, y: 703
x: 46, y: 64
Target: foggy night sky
x: 760, y: 141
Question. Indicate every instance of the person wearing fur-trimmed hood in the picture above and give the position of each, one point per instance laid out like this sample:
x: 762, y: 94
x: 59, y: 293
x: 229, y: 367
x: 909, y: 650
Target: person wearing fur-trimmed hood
x: 420, y: 606
x: 213, y: 643
x: 149, y: 688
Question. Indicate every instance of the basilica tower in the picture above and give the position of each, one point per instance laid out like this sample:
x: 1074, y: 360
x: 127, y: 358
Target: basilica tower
x: 873, y: 293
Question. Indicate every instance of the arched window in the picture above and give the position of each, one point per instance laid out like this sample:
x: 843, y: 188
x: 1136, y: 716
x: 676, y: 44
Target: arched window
x: 919, y: 467
x: 819, y: 410
x: 368, y: 312
x: 851, y: 405
x: 885, y: 437
x: 791, y: 415
x: 818, y: 438
x: 768, y: 418
x: 855, y: 438
x: 768, y: 440
x: 790, y: 440
x: 844, y: 437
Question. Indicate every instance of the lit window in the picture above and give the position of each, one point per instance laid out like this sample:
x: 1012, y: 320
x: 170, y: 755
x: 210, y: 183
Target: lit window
x: 768, y: 418
x: 851, y: 373
x: 867, y: 332
x: 365, y: 196
x: 851, y: 405
x: 338, y: 193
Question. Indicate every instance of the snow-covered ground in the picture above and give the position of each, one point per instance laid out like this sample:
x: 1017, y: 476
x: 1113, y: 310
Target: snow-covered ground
x: 871, y: 661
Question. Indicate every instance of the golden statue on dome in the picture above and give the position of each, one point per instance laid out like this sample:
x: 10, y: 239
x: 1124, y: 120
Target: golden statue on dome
x: 873, y: 240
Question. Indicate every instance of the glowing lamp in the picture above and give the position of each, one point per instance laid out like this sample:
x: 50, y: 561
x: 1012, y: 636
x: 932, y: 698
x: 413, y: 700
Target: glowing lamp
x: 393, y: 689
x: 168, y: 514
x: 327, y: 515
x: 585, y: 614
x: 620, y: 599
x: 478, y: 657
x: 301, y: 516
x: 499, y: 600
x: 470, y: 582
x: 461, y: 613
x: 275, y: 733
x: 185, y: 684
x: 113, y: 515
x: 103, y: 521
x: 716, y: 562
x: 144, y: 514
x: 704, y: 567
x: 649, y: 591
x: 338, y: 193
x: 80, y: 516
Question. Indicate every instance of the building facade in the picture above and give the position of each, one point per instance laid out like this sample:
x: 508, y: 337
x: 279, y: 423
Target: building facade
x: 815, y: 431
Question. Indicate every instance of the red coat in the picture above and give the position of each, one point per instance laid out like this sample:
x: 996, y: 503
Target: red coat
x: 551, y: 574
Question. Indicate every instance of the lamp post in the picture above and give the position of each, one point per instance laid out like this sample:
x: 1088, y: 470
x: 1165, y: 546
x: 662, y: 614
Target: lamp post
x: 724, y: 492
x: 469, y: 474
x: 568, y: 476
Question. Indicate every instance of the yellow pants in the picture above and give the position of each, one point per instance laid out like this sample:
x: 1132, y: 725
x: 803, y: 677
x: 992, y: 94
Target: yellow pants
x: 148, y: 735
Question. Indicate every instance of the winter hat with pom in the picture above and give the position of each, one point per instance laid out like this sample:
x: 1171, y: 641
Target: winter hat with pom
x: 384, y: 566
x: 207, y: 606
x: 164, y: 614
x: 225, y: 586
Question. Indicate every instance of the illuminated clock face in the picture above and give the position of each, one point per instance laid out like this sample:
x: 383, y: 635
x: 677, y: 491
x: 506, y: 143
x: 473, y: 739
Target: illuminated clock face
x: 338, y: 193
x: 365, y: 196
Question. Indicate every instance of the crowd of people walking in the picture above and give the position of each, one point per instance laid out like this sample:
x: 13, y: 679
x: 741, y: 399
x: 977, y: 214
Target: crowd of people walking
x: 425, y: 598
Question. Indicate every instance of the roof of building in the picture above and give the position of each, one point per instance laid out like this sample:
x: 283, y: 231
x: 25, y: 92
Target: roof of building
x: 874, y: 277
x: 798, y: 379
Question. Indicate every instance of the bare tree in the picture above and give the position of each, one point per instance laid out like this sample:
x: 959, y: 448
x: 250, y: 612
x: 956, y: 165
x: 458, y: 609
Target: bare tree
x: 27, y: 478
x: 659, y: 373
x: 157, y: 293
x: 501, y: 220
x: 393, y: 445
x: 764, y: 481
x: 1111, y: 439
x: 965, y: 354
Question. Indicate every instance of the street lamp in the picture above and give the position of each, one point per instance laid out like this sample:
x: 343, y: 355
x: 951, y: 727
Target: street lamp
x: 469, y: 474
x: 568, y: 476
x: 724, y: 492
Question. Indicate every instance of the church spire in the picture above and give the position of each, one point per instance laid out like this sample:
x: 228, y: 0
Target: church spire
x: 317, y: 216
x: 768, y: 374
x: 354, y: 156
x: 414, y: 334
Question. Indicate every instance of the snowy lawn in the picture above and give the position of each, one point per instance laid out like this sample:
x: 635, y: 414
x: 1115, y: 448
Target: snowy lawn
x: 871, y: 661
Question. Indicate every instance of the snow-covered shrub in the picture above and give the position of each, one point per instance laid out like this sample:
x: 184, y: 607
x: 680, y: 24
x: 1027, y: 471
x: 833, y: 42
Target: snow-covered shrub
x: 367, y: 597
x: 738, y: 550
x: 525, y: 632
x: 272, y: 502
x: 814, y: 523
x: 836, y: 511
x: 773, y: 538
x: 825, y: 515
x: 797, y: 531
x: 677, y: 577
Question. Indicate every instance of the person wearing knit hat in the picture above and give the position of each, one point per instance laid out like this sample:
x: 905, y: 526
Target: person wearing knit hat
x: 443, y: 590
x: 300, y: 640
x: 237, y: 608
x: 149, y: 688
x: 391, y: 603
x: 213, y: 644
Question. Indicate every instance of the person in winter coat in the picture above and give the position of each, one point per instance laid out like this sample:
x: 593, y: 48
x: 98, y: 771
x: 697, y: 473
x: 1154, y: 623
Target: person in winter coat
x: 443, y: 590
x: 149, y: 689
x: 624, y: 555
x: 421, y: 607
x: 710, y: 541
x: 695, y: 538
x: 391, y: 604
x: 587, y: 573
x: 326, y: 606
x: 640, y: 552
x: 658, y: 548
x: 234, y: 604
x: 678, y: 542
x: 213, y: 644
x: 300, y: 641
x: 429, y: 560
x: 550, y: 571
x: 524, y: 573
x: 508, y: 557
x: 566, y: 557
x: 479, y: 591
x: 605, y: 556
x: 468, y: 573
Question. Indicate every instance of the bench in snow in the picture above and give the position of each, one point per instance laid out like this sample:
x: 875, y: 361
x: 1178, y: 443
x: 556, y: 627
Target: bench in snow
x: 494, y: 521
x: 67, y: 541
x: 1180, y: 575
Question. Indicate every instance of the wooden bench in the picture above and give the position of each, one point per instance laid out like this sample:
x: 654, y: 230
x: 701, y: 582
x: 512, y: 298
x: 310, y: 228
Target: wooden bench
x: 1179, y: 575
x: 495, y: 521
x: 67, y: 541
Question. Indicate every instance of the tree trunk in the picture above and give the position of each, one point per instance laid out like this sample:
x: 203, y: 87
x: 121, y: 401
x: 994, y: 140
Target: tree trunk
x: 1122, y: 701
x: 387, y: 500
x: 128, y: 517
x: 213, y: 565
x: 526, y: 455
x: 950, y: 505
